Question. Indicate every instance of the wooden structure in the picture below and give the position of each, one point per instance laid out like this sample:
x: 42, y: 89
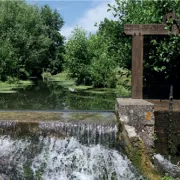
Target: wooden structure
x: 137, y: 31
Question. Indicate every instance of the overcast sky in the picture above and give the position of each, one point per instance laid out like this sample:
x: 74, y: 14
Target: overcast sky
x: 84, y: 13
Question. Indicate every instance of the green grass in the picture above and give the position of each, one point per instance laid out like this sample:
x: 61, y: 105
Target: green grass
x: 7, y: 91
x: 63, y: 79
x: 101, y: 90
x: 6, y: 87
x: 82, y: 87
x: 59, y: 77
x: 167, y: 177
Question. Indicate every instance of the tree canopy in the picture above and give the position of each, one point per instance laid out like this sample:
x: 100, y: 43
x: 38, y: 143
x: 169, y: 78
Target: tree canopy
x: 110, y: 49
x: 161, y: 52
x: 30, y: 40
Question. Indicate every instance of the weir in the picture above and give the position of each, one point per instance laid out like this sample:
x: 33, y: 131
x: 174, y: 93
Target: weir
x: 66, y: 145
x: 56, y: 143
x: 87, y: 128
x: 79, y: 145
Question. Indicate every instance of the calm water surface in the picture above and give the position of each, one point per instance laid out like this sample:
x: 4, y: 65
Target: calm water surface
x: 52, y: 96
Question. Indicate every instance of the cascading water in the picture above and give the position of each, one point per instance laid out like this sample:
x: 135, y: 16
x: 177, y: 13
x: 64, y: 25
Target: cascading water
x: 51, y: 158
x: 65, y: 149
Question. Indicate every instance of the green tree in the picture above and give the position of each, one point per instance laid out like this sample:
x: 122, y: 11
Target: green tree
x: 118, y: 45
x: 102, y: 64
x: 28, y: 46
x: 161, y: 52
x: 54, y: 23
x: 91, y: 58
x: 22, y: 27
x: 77, y: 57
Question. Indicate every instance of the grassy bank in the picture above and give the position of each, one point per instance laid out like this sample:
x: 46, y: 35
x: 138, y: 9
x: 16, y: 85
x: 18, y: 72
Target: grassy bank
x: 65, y: 81
x: 10, y: 87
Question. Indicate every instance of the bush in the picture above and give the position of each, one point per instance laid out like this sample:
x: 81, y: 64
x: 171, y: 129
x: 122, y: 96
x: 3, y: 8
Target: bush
x: 77, y: 59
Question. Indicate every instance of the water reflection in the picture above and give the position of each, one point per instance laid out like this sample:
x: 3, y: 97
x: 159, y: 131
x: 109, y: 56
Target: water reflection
x: 53, y: 96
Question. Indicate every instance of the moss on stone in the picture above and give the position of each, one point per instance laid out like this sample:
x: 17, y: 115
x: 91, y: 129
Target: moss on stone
x: 135, y: 150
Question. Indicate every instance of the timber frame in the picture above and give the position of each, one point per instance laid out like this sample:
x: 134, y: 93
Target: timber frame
x: 137, y: 31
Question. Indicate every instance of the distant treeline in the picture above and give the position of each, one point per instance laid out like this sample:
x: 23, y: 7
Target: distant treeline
x: 31, y: 42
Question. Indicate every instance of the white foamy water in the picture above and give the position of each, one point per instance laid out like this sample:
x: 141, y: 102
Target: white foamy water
x: 50, y: 158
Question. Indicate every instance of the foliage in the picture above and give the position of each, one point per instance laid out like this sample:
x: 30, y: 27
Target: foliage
x: 94, y: 59
x: 118, y: 45
x: 54, y: 23
x: 161, y: 53
x: 102, y: 64
x: 25, y: 42
x: 77, y: 57
x: 167, y: 177
x: 88, y: 60
x: 123, y: 77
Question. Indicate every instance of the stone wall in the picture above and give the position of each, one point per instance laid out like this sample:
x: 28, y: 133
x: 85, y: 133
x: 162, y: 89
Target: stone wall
x: 138, y: 114
x: 165, y: 131
x: 143, y: 132
x: 136, y: 133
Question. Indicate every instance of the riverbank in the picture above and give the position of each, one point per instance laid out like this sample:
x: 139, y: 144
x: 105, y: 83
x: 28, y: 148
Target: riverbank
x: 66, y: 82
x: 12, y: 87
x: 63, y: 80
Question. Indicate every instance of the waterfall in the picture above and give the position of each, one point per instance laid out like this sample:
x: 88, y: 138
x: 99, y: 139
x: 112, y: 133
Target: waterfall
x: 86, y: 133
x: 76, y: 147
x: 104, y: 134
x: 53, y: 158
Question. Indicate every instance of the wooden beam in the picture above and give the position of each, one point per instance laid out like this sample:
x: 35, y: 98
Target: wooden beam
x: 138, y: 31
x: 149, y: 29
x: 137, y: 67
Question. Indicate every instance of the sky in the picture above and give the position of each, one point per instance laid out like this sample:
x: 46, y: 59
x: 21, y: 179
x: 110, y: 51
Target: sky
x: 82, y: 13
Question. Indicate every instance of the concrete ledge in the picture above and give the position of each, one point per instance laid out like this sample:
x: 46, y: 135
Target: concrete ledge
x: 139, y: 114
x: 130, y: 131
x: 129, y: 101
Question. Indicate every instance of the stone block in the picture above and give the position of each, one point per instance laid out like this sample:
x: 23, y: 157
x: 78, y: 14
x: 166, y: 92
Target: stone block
x: 139, y: 114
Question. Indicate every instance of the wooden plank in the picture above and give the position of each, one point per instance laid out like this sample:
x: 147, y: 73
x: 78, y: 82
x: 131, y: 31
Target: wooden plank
x: 163, y: 105
x: 137, y: 67
x: 149, y: 29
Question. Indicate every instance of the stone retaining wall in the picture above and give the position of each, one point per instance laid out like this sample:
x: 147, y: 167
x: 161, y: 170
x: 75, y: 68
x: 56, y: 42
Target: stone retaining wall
x: 165, y: 131
x: 138, y: 114
x: 140, y: 128
x: 136, y: 133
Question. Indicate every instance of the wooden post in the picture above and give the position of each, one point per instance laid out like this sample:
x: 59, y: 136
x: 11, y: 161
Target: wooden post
x: 137, y: 67
x: 137, y: 31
